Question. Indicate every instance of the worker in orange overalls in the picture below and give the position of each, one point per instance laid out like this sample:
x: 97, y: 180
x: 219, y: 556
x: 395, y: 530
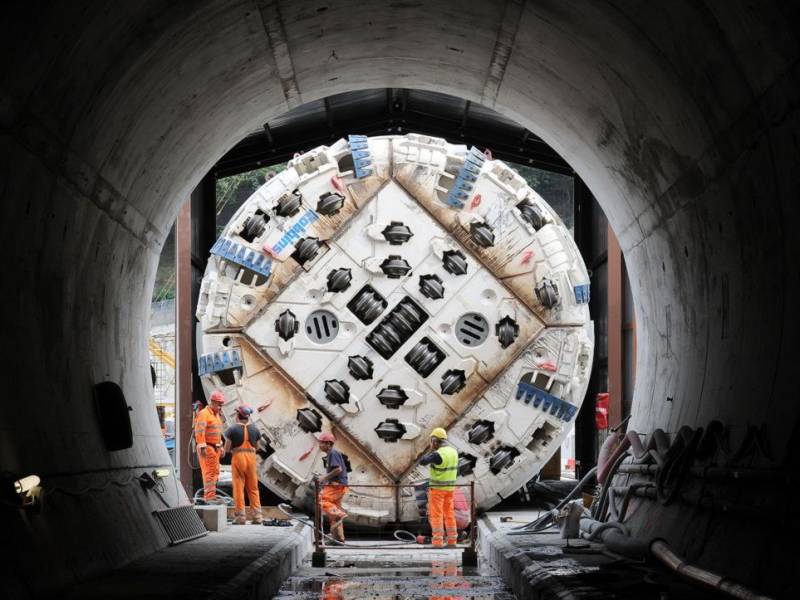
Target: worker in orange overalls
x: 208, y: 435
x: 241, y: 439
x: 334, y: 485
x: 443, y: 465
x: 448, y: 579
x: 333, y: 590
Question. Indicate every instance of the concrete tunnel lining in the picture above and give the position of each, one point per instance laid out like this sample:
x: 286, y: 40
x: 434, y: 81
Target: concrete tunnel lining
x: 681, y: 119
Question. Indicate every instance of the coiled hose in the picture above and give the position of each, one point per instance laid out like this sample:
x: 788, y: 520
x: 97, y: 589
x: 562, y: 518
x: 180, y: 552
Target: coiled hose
x: 220, y: 494
x: 398, y: 534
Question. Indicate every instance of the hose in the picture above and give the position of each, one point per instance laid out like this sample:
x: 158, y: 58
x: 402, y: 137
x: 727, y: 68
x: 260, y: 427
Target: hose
x: 678, y: 462
x: 626, y: 499
x: 598, y: 508
x: 398, y: 533
x: 546, y: 520
x: 220, y: 493
x: 604, y: 469
x: 608, y: 525
x: 660, y: 550
x: 615, y: 538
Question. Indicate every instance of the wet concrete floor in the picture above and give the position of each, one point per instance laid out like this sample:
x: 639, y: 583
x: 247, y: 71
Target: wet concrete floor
x: 386, y: 575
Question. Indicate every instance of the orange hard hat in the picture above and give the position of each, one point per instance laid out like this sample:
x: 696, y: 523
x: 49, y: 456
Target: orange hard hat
x: 327, y: 437
x: 217, y: 396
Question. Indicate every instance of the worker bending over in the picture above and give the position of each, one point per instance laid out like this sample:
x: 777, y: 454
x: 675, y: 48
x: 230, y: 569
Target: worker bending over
x: 334, y: 485
x: 241, y: 440
x: 208, y: 435
x: 443, y: 465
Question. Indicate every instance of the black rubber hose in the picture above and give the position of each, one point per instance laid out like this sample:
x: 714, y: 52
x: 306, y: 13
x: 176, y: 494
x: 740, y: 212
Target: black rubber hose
x: 670, y: 478
x: 546, y: 520
x: 598, y: 509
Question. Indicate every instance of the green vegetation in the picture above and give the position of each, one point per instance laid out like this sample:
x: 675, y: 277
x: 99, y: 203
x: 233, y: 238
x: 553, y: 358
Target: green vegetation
x: 234, y: 190
x: 556, y: 189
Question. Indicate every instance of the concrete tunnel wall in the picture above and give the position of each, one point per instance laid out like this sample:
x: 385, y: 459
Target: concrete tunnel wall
x: 681, y: 117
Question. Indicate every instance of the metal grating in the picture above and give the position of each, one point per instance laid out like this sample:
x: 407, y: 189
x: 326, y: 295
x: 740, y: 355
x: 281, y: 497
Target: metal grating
x: 322, y: 326
x: 181, y: 524
x: 472, y: 329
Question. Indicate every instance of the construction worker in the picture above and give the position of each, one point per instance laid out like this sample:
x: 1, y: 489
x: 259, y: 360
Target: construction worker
x: 449, y: 579
x: 241, y: 439
x: 208, y: 435
x: 334, y: 485
x: 443, y: 465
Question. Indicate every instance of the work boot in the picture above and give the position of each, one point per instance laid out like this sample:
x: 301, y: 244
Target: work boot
x: 257, y: 517
x: 239, y: 519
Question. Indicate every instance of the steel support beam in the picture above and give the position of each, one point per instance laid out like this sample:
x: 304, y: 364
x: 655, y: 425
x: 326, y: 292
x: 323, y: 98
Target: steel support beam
x: 585, y: 431
x: 184, y: 349
x: 254, y: 151
x: 195, y: 232
x: 615, y: 308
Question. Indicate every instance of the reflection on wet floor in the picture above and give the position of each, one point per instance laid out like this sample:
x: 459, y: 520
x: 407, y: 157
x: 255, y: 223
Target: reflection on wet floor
x: 380, y: 579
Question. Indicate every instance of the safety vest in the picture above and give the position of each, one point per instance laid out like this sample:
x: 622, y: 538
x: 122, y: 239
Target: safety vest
x: 443, y: 476
x: 207, y: 428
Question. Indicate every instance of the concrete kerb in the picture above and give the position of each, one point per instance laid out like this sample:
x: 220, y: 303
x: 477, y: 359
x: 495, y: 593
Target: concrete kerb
x: 526, y: 578
x: 264, y: 576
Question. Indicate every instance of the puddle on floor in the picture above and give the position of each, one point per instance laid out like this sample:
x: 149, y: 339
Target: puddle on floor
x: 385, y: 580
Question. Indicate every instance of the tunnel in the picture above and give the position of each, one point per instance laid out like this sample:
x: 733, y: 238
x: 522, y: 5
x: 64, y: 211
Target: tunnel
x: 681, y: 118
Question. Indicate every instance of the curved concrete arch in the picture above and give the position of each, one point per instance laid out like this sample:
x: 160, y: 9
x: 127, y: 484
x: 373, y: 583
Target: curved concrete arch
x: 681, y: 118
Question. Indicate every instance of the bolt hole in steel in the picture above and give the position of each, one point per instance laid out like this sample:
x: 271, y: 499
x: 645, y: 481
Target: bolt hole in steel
x: 322, y: 327
x: 489, y: 296
x: 472, y: 329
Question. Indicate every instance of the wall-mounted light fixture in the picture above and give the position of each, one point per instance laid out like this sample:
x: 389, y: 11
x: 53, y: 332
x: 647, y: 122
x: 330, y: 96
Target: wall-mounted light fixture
x: 28, y: 490
x: 161, y: 473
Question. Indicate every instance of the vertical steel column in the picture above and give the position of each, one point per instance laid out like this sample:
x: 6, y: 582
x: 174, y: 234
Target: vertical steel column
x: 469, y: 557
x: 615, y: 371
x: 585, y: 431
x: 195, y: 232
x: 318, y: 557
x: 184, y: 325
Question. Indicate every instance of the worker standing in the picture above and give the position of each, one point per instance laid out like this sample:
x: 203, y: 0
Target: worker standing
x: 208, y: 435
x: 241, y: 439
x: 443, y: 465
x: 334, y: 485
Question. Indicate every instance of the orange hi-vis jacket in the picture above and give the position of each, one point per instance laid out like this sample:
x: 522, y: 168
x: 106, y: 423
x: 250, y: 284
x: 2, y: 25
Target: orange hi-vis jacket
x: 207, y: 428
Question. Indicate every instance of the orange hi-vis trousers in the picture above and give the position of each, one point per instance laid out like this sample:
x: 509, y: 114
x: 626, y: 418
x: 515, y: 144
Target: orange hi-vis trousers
x: 442, y: 517
x: 330, y: 500
x: 209, y: 467
x: 208, y: 435
x: 245, y: 477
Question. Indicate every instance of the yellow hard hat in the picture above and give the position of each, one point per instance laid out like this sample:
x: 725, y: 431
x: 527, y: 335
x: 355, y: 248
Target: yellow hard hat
x: 439, y: 433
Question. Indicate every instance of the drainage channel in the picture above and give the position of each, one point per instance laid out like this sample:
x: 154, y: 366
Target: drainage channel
x: 390, y: 574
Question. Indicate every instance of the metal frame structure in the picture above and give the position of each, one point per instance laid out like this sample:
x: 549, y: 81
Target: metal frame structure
x: 381, y: 112
x: 469, y: 555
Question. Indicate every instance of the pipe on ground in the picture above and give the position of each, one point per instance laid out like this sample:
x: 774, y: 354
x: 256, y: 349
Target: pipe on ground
x: 616, y: 541
x: 672, y: 561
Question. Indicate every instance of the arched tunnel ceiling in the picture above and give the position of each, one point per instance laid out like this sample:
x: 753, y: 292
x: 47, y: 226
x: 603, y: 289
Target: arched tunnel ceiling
x: 681, y: 118
x: 387, y: 111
